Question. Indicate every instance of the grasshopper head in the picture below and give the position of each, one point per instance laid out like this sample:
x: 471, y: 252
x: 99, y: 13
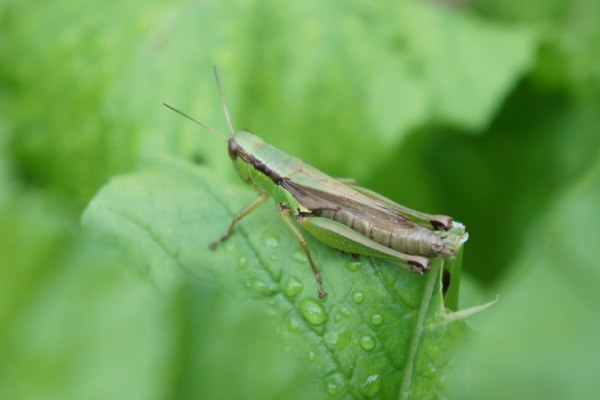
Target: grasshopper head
x: 241, y: 149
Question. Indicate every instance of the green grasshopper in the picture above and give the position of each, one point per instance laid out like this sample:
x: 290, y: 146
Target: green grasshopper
x: 337, y: 212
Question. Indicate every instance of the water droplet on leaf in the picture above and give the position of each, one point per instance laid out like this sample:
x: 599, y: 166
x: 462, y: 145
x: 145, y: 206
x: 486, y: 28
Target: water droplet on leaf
x: 299, y: 255
x: 376, y: 319
x: 293, y: 325
x: 313, y: 311
x: 353, y: 265
x: 270, y: 239
x: 260, y: 287
x: 342, y: 340
x: 292, y: 287
x: 332, y: 389
x: 358, y: 297
x: 371, y: 386
x: 367, y: 342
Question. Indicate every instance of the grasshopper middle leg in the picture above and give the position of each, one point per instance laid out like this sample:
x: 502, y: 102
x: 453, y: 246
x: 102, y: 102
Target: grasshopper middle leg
x: 286, y: 216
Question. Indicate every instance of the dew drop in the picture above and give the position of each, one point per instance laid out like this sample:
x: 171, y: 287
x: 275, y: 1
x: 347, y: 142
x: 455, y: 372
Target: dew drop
x: 260, y: 287
x: 353, y: 265
x: 313, y: 311
x: 271, y: 312
x: 371, y: 387
x: 367, y: 342
x: 332, y: 389
x: 358, y: 297
x: 293, y: 325
x: 311, y: 356
x: 274, y: 257
x: 342, y: 340
x: 243, y: 262
x: 299, y: 255
x: 270, y: 239
x: 345, y: 312
x: 376, y: 319
x: 429, y: 370
x: 292, y: 287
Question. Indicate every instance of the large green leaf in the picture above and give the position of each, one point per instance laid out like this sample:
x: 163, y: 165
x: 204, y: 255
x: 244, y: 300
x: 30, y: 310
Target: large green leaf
x: 323, y: 79
x: 382, y: 332
x: 76, y: 324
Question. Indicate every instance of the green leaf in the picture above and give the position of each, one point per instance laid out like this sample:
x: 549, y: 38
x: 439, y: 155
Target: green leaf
x: 542, y: 339
x: 76, y: 324
x: 569, y: 35
x: 381, y: 332
x: 85, y: 102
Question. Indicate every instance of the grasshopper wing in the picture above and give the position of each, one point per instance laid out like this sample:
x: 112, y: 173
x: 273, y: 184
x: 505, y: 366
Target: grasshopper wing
x: 333, y: 195
x: 437, y: 222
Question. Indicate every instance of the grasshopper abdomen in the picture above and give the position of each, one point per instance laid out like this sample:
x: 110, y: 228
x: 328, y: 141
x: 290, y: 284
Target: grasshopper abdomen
x: 414, y: 240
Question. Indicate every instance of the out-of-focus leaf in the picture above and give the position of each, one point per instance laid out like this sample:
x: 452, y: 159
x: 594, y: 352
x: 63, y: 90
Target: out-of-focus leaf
x: 59, y: 62
x: 77, y: 322
x: 325, y: 80
x: 542, y: 340
x: 72, y: 325
x: 380, y: 331
x: 502, y: 182
x: 296, y: 82
x: 569, y: 33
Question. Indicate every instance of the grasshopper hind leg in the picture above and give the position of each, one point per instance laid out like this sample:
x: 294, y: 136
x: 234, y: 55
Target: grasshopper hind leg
x: 339, y: 236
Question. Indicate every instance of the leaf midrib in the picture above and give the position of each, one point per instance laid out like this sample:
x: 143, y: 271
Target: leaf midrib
x: 432, y: 278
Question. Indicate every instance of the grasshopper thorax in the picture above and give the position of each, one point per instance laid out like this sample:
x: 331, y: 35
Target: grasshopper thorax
x: 259, y: 163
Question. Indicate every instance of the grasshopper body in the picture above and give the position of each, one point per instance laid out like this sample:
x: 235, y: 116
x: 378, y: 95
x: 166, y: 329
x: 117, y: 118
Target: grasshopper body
x: 336, y: 212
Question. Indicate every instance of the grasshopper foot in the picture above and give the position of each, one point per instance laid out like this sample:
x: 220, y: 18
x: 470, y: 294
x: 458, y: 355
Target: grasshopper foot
x: 353, y: 256
x: 214, y: 244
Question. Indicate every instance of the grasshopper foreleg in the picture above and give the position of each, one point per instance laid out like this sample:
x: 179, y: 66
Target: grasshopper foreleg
x: 286, y: 216
x: 247, y: 210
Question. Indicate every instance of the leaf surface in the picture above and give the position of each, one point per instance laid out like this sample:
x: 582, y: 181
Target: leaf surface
x: 382, y: 332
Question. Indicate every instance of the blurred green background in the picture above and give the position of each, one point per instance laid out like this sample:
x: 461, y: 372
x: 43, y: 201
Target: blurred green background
x: 485, y: 110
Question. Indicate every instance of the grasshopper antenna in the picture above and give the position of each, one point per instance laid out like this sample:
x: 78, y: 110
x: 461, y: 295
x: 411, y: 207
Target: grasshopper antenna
x: 199, y: 123
x: 223, y: 100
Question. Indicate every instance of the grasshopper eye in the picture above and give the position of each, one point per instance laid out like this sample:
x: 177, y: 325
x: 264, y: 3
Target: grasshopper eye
x: 233, y: 149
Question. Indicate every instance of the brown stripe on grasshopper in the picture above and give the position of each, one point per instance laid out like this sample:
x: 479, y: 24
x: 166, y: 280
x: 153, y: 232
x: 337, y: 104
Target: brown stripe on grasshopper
x: 260, y: 165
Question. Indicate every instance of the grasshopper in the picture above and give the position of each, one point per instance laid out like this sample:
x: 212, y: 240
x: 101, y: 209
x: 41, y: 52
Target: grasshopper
x: 337, y: 212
